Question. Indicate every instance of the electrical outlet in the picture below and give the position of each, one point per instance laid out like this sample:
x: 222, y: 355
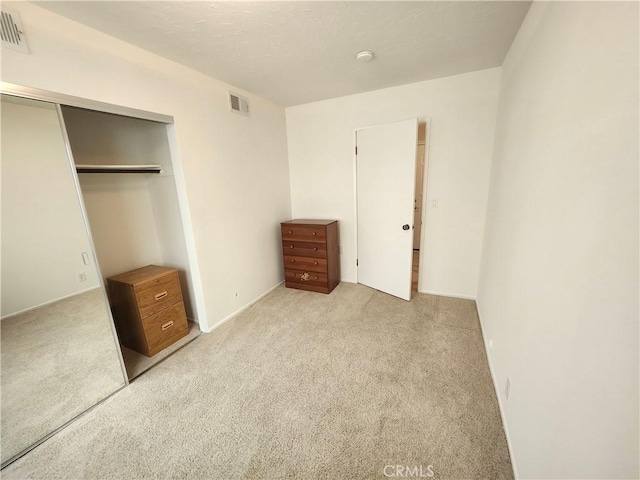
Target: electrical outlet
x: 236, y: 294
x: 507, y: 388
x: 434, y: 203
x: 82, y: 277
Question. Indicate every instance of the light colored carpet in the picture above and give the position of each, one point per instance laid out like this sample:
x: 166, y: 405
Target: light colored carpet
x: 56, y: 361
x: 301, y: 385
x: 137, y: 363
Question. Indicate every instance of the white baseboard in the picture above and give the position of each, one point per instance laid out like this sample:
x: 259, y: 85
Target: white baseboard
x: 430, y: 292
x: 444, y: 294
x: 500, y: 405
x: 255, y: 300
x: 49, y: 302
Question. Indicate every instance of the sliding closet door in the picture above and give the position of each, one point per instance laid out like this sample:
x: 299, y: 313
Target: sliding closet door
x: 126, y: 177
x: 59, y: 355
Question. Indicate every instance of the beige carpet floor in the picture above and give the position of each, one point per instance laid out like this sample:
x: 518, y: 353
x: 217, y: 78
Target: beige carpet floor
x: 301, y: 385
x: 56, y: 361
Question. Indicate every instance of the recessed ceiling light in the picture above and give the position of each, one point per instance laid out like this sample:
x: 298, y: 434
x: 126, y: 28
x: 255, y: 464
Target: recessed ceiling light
x: 364, y: 56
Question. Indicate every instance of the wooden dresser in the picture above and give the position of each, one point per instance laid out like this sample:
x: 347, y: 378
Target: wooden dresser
x: 148, y: 308
x: 311, y: 254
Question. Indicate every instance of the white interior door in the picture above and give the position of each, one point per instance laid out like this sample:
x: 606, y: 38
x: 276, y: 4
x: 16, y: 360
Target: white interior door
x: 385, y: 172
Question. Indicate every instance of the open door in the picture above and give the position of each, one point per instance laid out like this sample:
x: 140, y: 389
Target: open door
x: 385, y: 182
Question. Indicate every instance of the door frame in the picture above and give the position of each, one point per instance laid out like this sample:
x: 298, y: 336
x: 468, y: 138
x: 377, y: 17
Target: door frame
x: 425, y: 204
x: 425, y: 179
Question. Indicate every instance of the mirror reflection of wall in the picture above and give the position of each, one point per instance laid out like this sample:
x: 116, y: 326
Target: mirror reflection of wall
x: 59, y: 355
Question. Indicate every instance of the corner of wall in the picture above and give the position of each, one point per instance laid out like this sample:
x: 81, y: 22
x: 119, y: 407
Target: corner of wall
x: 501, y: 406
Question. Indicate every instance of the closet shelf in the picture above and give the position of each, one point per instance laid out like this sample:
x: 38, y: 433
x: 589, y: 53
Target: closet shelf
x: 119, y: 168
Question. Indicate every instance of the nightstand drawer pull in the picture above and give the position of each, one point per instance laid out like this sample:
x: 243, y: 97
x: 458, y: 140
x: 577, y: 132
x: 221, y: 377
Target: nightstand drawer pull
x: 161, y: 295
x: 167, y: 325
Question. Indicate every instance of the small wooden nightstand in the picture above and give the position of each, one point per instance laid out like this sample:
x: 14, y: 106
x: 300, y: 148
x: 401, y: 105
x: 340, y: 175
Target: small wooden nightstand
x: 148, y: 308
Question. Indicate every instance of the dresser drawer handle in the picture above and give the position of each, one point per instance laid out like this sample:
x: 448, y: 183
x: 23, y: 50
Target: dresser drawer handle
x: 290, y: 232
x: 161, y: 295
x: 290, y: 246
x: 315, y: 248
x: 313, y: 233
x: 315, y: 263
x: 167, y: 325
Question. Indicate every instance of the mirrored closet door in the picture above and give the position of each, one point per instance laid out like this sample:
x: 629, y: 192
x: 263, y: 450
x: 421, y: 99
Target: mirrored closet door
x: 59, y: 352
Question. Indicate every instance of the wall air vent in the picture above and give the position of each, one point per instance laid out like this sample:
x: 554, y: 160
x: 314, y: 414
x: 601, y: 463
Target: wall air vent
x: 238, y: 104
x: 11, y: 30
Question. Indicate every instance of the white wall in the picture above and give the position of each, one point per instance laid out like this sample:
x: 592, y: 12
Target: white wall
x: 43, y: 232
x: 558, y: 293
x: 122, y: 223
x: 234, y: 169
x: 462, y: 110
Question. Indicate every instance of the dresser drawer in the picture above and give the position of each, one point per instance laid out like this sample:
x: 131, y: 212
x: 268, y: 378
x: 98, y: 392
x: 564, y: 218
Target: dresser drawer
x: 305, y: 278
x: 164, y: 328
x: 158, y: 294
x: 302, y: 249
x: 304, y: 233
x: 305, y: 263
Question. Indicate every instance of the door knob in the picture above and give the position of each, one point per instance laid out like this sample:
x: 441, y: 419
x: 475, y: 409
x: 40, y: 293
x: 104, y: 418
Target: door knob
x: 405, y: 226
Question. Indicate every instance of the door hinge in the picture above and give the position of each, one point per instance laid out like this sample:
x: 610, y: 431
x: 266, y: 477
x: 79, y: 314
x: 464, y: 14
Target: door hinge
x: 356, y: 262
x: 356, y: 150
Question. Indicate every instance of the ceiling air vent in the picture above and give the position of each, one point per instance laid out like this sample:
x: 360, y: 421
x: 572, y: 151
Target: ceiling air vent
x: 13, y: 36
x: 238, y: 104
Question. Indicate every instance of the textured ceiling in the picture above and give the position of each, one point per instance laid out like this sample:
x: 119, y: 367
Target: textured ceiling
x: 299, y: 52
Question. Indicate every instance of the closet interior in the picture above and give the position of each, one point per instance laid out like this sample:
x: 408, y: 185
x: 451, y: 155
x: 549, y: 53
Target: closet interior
x: 126, y: 178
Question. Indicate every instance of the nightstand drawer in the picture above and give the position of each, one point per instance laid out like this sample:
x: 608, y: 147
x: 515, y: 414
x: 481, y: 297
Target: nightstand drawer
x: 164, y: 328
x: 304, y: 249
x: 157, y: 294
x: 305, y: 263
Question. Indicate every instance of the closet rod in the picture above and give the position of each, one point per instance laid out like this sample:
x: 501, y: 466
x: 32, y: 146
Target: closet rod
x: 119, y: 168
